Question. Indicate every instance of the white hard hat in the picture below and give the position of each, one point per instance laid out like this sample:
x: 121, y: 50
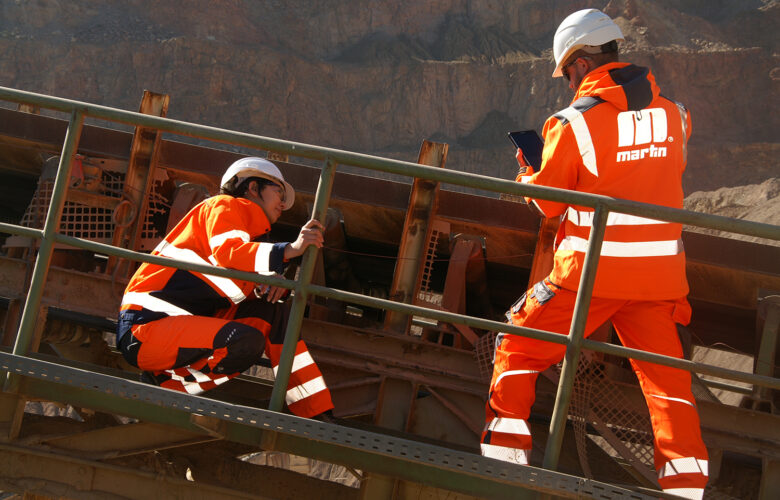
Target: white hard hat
x: 588, y: 27
x: 259, y: 167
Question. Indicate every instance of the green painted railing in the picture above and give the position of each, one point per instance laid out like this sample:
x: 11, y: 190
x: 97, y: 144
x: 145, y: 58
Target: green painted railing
x: 303, y: 287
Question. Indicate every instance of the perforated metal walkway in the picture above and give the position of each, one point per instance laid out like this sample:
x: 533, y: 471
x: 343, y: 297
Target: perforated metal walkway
x: 392, y: 456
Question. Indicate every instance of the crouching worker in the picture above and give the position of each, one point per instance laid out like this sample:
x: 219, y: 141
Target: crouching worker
x: 189, y: 331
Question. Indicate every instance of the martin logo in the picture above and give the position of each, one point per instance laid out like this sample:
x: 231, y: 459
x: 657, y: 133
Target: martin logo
x: 636, y: 128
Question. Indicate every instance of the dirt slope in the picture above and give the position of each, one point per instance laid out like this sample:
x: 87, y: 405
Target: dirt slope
x: 379, y: 76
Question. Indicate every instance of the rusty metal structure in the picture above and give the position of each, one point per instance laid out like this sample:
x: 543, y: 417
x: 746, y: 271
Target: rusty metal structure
x: 399, y: 309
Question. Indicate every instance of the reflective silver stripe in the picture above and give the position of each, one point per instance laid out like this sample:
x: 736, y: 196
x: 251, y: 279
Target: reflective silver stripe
x: 505, y: 453
x: 301, y: 360
x: 626, y: 248
x: 228, y: 287
x: 263, y: 257
x: 584, y: 141
x: 305, y: 390
x: 159, y: 248
x: 153, y: 304
x: 199, y: 375
x: 683, y: 116
x: 219, y: 239
x: 514, y: 372
x: 690, y: 493
x: 585, y: 218
x: 679, y: 400
x: 685, y: 465
x: 190, y: 387
x: 509, y: 426
x: 525, y: 178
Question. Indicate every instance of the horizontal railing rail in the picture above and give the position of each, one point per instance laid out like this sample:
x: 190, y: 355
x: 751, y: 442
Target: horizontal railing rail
x: 341, y: 157
x: 400, y: 307
x: 304, y: 288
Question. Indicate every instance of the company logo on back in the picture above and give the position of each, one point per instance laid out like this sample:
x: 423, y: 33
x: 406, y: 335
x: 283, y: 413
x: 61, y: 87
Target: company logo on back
x: 636, y: 128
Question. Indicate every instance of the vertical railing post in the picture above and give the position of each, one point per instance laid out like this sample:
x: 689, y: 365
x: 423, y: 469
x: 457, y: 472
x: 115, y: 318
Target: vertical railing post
x: 576, y: 334
x: 30, y: 311
x: 291, y: 336
x: 51, y: 224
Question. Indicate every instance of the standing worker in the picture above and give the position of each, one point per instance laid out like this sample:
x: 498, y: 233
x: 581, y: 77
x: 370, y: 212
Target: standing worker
x: 618, y: 138
x: 190, y: 331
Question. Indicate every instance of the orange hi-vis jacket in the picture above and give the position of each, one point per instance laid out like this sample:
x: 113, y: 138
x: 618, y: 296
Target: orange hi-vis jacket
x: 218, y: 231
x: 619, y: 138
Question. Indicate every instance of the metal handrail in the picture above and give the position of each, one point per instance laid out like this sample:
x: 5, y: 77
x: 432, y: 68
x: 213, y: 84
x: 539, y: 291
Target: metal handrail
x: 574, y: 341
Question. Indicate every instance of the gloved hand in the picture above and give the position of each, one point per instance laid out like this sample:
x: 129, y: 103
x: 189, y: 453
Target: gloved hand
x: 524, y: 168
x: 271, y: 293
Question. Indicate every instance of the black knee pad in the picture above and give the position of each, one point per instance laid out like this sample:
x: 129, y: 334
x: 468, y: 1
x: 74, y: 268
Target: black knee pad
x: 244, y: 344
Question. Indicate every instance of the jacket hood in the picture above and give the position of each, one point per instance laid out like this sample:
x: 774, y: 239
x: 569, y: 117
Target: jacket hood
x: 628, y: 87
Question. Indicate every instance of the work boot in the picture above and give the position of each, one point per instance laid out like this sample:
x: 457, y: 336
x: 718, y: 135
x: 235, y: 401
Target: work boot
x: 149, y: 378
x: 326, y: 416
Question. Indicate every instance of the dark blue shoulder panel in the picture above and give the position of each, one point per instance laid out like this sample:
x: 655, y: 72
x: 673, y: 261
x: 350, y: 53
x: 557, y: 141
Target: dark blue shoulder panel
x: 582, y: 105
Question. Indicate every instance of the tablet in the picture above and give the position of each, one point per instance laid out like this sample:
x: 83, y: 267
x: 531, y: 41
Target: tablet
x: 531, y: 144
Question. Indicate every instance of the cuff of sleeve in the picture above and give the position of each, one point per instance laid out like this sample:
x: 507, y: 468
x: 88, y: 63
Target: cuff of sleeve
x: 276, y: 260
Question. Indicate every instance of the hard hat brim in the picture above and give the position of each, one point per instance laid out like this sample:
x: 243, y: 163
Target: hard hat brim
x: 243, y: 169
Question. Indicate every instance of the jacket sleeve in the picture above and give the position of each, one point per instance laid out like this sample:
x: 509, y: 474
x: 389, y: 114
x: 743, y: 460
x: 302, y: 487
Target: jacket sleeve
x: 560, y: 158
x: 228, y: 232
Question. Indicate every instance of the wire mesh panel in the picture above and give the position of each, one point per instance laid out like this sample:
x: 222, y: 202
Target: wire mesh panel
x: 484, y: 350
x: 95, y: 222
x: 624, y: 429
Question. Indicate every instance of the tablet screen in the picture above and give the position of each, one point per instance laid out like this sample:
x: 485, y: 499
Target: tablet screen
x: 531, y: 144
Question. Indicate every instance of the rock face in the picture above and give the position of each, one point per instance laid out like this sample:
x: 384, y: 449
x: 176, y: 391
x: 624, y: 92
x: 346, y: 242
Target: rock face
x: 760, y: 203
x: 379, y: 76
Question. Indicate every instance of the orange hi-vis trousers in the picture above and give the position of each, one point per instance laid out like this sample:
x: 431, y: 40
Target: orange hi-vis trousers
x: 194, y: 354
x: 680, y: 455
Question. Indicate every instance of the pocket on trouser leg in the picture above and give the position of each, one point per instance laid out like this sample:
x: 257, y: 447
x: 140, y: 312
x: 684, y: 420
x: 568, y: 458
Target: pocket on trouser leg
x: 530, y: 304
x: 516, y: 308
x: 512, y: 318
x: 543, y: 291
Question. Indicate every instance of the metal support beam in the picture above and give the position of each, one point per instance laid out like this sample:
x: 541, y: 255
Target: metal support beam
x: 396, y: 397
x: 122, y: 440
x: 131, y: 212
x: 769, y: 315
x: 28, y: 471
x: 394, y: 406
x: 416, y: 234
x: 770, y: 479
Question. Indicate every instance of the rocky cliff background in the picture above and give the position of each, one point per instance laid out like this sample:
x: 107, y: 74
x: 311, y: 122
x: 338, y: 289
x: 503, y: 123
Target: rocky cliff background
x: 379, y: 76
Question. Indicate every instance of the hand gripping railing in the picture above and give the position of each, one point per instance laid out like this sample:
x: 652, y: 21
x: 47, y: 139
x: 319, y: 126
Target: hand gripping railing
x: 303, y: 287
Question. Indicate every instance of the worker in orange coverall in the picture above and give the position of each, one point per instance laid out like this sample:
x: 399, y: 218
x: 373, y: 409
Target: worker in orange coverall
x: 190, y: 331
x: 618, y: 138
